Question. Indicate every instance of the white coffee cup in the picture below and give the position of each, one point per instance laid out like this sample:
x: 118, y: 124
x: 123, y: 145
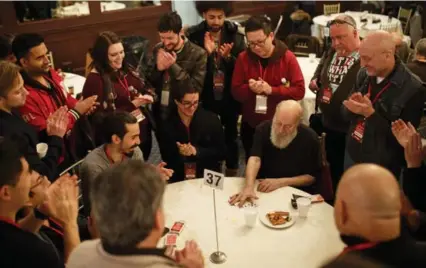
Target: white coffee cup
x: 312, y: 57
x: 42, y: 149
x: 303, y: 205
x: 250, y: 215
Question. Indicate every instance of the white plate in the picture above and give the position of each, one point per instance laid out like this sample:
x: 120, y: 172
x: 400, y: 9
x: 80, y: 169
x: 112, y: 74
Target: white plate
x: 264, y: 219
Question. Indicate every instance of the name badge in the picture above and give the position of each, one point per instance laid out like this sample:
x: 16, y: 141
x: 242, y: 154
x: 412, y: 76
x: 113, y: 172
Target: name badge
x: 261, y: 104
x: 138, y: 114
x: 165, y: 98
x: 218, y: 84
x: 190, y: 171
x: 326, y: 96
x: 358, y: 132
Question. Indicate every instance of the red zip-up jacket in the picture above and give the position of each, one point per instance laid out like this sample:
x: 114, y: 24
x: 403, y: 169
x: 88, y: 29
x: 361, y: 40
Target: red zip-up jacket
x: 41, y: 102
x: 282, y: 64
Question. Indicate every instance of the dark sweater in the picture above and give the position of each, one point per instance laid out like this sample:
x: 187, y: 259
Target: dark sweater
x: 205, y: 133
x: 19, y: 248
x: 401, y: 252
x: 300, y: 157
x: 14, y: 127
x: 229, y: 34
x: 331, y: 115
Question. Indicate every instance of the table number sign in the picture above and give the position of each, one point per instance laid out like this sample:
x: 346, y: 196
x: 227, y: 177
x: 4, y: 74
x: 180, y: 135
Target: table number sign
x: 213, y: 179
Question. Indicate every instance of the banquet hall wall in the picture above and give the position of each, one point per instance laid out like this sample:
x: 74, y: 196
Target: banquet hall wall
x: 70, y: 38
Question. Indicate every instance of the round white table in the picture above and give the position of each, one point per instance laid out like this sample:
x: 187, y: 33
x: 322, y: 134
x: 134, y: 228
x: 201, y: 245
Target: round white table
x: 308, y: 103
x: 75, y: 80
x: 363, y: 27
x: 307, y: 244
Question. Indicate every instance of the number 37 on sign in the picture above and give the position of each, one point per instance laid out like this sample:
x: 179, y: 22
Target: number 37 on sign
x: 213, y: 179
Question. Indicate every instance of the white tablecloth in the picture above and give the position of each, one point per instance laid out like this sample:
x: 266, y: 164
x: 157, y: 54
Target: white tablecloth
x: 81, y: 9
x: 306, y: 244
x: 363, y: 27
x: 75, y: 80
x: 308, y: 102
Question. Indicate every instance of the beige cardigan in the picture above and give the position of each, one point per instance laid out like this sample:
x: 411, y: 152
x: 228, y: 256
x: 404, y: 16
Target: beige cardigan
x: 90, y: 254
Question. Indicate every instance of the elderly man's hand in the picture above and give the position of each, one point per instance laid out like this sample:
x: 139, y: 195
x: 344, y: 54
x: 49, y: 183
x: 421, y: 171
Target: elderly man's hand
x: 247, y: 194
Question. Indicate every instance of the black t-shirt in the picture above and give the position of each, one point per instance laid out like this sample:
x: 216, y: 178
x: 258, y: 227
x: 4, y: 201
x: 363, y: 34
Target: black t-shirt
x: 19, y: 248
x: 300, y: 157
x: 264, y: 62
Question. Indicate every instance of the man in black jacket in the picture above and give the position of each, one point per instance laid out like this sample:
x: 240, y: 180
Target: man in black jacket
x: 332, y: 82
x: 368, y: 216
x: 385, y: 90
x: 193, y: 136
x: 222, y: 42
x: 175, y: 60
x: 12, y: 96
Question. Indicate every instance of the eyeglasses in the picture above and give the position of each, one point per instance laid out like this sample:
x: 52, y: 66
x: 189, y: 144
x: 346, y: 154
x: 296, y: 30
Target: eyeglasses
x: 338, y: 21
x: 259, y: 43
x: 39, y: 181
x: 188, y: 104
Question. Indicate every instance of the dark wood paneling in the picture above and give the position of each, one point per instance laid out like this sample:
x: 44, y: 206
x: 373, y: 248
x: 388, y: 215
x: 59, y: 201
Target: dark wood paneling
x: 70, y: 38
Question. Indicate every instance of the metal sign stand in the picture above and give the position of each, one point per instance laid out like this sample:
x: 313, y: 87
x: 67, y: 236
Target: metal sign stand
x: 217, y: 257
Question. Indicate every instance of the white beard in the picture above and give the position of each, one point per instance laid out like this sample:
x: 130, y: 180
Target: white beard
x: 282, y: 141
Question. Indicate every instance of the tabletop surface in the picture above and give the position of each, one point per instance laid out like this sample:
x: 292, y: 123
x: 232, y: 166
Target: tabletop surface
x: 308, y: 243
x: 308, y: 68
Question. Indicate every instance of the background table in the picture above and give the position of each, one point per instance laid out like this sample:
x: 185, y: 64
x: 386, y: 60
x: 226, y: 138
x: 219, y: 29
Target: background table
x: 307, y: 244
x: 363, y: 27
x: 75, y: 80
x: 308, y: 102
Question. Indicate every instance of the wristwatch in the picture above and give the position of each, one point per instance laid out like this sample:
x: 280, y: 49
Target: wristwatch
x: 39, y: 215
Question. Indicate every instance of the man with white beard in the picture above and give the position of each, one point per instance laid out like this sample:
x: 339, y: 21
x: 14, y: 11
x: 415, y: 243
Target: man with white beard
x: 284, y: 153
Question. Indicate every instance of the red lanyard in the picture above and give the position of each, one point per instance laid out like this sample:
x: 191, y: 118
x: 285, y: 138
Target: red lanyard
x: 109, y: 156
x: 362, y: 246
x: 380, y: 92
x: 124, y: 83
x: 7, y: 220
x: 217, y: 56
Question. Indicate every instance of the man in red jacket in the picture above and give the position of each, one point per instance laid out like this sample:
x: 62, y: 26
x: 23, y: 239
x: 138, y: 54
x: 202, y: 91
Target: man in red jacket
x: 44, y: 85
x: 264, y: 75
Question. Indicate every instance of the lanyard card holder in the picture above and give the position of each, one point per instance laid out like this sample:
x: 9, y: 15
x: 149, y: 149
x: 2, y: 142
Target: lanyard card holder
x: 261, y: 104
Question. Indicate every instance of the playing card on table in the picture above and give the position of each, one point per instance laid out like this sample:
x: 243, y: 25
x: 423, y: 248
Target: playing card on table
x: 177, y: 227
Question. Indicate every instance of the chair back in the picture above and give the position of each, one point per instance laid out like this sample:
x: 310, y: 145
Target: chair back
x: 404, y: 16
x: 302, y: 45
x: 325, y: 184
x: 50, y: 58
x: 331, y: 9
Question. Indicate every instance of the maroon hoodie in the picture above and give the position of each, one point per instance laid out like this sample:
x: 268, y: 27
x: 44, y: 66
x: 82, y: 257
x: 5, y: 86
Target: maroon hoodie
x: 282, y: 64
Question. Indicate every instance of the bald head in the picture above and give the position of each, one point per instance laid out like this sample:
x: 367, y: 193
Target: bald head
x: 290, y: 109
x: 284, y: 125
x: 377, y: 53
x: 368, y: 201
x: 380, y: 40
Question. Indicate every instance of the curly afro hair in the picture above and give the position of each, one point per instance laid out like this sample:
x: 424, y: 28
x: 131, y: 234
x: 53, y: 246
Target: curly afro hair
x: 204, y: 6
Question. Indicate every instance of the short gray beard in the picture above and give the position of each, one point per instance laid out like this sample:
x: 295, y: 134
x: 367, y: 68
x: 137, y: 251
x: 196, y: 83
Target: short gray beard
x: 283, y: 141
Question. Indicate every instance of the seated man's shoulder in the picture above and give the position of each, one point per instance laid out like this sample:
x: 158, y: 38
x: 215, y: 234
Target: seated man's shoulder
x: 265, y: 125
x: 81, y: 255
x: 308, y: 133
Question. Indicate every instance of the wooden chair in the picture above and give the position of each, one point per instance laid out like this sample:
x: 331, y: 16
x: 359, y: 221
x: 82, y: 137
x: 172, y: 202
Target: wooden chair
x: 404, y: 16
x: 325, y: 184
x: 50, y: 58
x: 302, y: 45
x: 331, y: 9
